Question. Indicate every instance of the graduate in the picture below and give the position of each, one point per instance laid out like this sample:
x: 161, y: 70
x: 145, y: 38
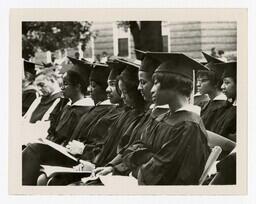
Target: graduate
x: 92, y: 129
x: 173, y: 149
x: 29, y: 90
x: 74, y: 87
x: 134, y: 110
x: 227, y: 122
x: 209, y: 82
x: 201, y: 98
x: 134, y: 131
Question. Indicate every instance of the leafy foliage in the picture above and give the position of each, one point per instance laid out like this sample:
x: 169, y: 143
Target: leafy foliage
x: 52, y: 35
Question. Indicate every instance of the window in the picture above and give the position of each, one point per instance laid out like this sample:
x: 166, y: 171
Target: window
x: 165, y: 43
x: 123, y: 47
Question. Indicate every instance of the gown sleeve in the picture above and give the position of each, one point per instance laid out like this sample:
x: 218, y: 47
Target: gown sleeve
x: 180, y: 160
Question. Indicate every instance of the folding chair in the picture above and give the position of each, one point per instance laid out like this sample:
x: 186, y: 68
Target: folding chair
x: 214, y: 139
x: 209, y: 163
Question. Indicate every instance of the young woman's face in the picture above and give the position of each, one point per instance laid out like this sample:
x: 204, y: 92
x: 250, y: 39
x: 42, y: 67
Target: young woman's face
x: 159, y: 96
x: 95, y: 91
x: 229, y: 87
x: 112, y: 93
x: 124, y: 94
x: 204, y: 85
x: 145, y: 85
x: 67, y: 88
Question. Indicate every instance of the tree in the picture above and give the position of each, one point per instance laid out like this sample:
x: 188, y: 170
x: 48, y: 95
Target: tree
x: 52, y: 36
x: 147, y: 35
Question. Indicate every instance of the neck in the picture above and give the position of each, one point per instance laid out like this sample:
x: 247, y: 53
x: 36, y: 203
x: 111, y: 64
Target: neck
x: 77, y: 98
x: 213, y: 94
x: 179, y: 102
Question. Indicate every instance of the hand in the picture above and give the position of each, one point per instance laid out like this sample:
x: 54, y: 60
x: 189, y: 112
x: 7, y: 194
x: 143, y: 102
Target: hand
x: 102, y: 171
x: 84, y: 166
x: 75, y: 147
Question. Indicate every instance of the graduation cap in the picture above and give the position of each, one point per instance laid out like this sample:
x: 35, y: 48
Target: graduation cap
x: 29, y: 66
x: 177, y: 63
x: 116, y: 67
x: 99, y: 74
x: 82, y: 68
x: 228, y: 69
x: 212, y: 59
x: 131, y: 68
x: 214, y: 68
x: 148, y: 64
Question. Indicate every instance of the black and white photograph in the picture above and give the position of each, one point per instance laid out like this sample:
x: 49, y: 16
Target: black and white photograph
x: 130, y: 102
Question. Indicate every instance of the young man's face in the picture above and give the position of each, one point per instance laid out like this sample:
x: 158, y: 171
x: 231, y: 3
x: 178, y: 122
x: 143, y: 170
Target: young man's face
x: 229, y: 87
x: 145, y: 85
x: 112, y: 93
x: 45, y: 85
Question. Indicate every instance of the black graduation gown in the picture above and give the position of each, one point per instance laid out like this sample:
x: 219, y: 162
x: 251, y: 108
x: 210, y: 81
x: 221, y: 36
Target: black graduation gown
x: 67, y: 122
x: 173, y: 151
x: 115, y: 134
x: 220, y: 117
x: 98, y: 132
x: 87, y: 121
x: 45, y: 104
x: 36, y: 154
x: 28, y: 96
x: 132, y: 135
x: 226, y: 123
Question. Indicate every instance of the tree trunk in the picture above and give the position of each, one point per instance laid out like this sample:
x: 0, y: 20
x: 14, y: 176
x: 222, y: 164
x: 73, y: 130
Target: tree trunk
x: 147, y: 36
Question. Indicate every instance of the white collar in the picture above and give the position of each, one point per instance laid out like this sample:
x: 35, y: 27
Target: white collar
x: 82, y: 102
x: 191, y: 108
x: 153, y: 106
x: 106, y: 102
x: 220, y: 97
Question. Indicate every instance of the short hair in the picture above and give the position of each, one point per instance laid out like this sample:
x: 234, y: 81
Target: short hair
x: 75, y: 79
x: 213, y: 78
x: 176, y: 82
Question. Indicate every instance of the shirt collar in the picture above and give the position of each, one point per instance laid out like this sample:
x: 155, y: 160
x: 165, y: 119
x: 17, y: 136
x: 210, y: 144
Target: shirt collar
x: 106, y: 102
x: 220, y: 97
x: 82, y: 102
x: 234, y: 103
x: 190, y: 108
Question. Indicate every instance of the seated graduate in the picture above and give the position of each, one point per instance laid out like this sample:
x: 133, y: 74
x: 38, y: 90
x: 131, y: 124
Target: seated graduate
x: 93, y: 135
x: 49, y: 88
x: 173, y: 149
x: 134, y: 110
x: 29, y: 90
x: 227, y: 122
x: 201, y: 98
x: 134, y: 131
x: 209, y: 82
x: 75, y: 85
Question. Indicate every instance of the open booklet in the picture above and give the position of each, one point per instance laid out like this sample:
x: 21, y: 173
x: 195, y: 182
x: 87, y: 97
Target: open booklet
x: 51, y: 171
x: 57, y: 147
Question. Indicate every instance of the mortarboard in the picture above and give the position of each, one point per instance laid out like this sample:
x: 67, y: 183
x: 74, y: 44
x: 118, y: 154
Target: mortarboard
x: 100, y: 73
x: 177, y: 63
x: 116, y: 68
x: 82, y: 68
x: 228, y: 69
x: 212, y: 59
x: 131, y: 68
x: 30, y: 66
x: 148, y: 64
